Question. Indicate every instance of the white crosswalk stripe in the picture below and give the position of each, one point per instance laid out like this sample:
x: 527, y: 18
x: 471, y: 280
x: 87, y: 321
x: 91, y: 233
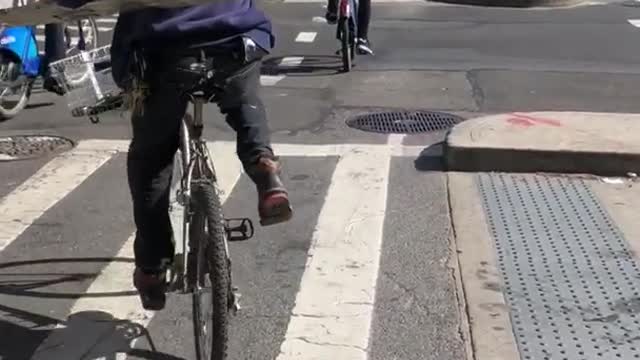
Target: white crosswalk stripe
x: 337, y: 288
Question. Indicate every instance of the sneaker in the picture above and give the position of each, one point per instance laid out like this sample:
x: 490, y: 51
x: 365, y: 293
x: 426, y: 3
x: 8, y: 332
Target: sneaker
x: 51, y: 85
x: 273, y: 199
x: 151, y: 287
x: 331, y: 17
x: 363, y: 47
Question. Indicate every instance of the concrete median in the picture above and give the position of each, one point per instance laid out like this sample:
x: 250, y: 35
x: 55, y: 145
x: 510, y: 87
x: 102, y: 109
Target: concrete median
x: 555, y: 142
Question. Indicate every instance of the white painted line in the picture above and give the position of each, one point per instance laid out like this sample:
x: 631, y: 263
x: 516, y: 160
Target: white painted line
x: 291, y: 61
x: 45, y: 188
x: 41, y: 38
x: 117, y: 277
x: 332, y: 315
x: 395, y: 139
x: 306, y: 37
x: 270, y: 80
x: 282, y: 149
x: 107, y: 20
x: 634, y: 22
x: 319, y: 19
x: 75, y: 28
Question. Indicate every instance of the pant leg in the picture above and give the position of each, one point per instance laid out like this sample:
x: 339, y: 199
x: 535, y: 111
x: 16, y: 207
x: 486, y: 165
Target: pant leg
x: 54, y: 47
x: 364, y: 17
x: 332, y: 6
x: 150, y: 167
x: 245, y: 112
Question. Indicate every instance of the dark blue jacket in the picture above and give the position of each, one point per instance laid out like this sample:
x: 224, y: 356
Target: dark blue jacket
x: 159, y: 28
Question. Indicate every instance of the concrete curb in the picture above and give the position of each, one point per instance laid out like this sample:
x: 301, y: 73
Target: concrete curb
x: 516, y: 3
x: 554, y: 142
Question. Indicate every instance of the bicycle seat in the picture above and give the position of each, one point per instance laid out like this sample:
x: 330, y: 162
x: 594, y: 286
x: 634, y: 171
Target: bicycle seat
x: 196, y: 75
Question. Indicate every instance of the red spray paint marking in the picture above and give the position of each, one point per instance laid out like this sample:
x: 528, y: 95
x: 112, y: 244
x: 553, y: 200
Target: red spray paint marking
x: 527, y: 120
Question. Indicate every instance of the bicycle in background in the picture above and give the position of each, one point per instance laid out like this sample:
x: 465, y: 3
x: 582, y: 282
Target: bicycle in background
x: 21, y: 62
x: 346, y: 31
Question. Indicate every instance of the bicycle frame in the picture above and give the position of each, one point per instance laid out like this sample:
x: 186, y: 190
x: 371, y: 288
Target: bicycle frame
x: 196, y: 166
x: 349, y: 9
x: 19, y: 43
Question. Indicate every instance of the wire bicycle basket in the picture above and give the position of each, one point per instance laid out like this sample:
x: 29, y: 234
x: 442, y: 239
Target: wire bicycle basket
x: 89, y: 88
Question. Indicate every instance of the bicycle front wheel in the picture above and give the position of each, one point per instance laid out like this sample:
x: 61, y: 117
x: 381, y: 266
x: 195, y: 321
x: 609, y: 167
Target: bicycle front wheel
x: 211, y: 296
x: 81, y: 35
x: 10, y: 72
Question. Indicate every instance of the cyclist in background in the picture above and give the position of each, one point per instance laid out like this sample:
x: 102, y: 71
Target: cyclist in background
x: 364, y: 17
x: 237, y: 35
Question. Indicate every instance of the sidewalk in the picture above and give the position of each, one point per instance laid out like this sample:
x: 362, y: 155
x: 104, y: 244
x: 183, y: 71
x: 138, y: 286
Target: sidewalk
x: 548, y: 262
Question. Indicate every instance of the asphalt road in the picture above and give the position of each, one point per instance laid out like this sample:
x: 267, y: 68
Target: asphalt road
x: 62, y: 223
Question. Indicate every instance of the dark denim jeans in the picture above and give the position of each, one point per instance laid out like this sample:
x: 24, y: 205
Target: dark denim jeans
x: 156, y: 138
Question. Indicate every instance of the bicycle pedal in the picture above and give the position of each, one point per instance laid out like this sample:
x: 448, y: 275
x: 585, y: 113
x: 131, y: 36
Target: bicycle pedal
x: 239, y: 229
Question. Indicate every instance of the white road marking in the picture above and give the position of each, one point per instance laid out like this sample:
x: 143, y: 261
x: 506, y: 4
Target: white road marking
x: 291, y: 61
x: 634, y: 22
x: 270, y: 80
x: 332, y: 315
x: 117, y: 277
x: 306, y: 37
x: 45, y: 188
x: 282, y: 149
x: 75, y: 28
x: 395, y: 139
x: 41, y: 38
x: 107, y: 20
x: 319, y: 19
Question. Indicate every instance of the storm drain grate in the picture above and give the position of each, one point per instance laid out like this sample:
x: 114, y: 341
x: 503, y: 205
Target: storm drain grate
x: 32, y: 146
x: 570, y: 279
x: 403, y: 122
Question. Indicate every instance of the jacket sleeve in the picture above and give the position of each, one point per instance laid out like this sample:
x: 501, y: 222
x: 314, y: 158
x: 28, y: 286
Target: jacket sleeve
x: 72, y: 4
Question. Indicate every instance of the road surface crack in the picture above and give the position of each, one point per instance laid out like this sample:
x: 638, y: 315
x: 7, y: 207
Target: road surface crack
x: 330, y: 344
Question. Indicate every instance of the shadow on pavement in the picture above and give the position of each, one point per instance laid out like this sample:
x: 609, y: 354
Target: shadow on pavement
x: 431, y: 158
x: 26, y: 283
x: 313, y: 65
x: 84, y: 335
x: 39, y: 105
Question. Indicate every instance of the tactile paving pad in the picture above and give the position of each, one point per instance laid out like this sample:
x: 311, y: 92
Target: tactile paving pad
x: 569, y: 277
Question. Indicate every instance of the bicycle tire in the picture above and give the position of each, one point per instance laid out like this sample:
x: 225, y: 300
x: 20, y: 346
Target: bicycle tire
x: 346, y: 52
x: 95, y: 43
x: 23, y: 95
x: 72, y: 51
x: 215, y: 263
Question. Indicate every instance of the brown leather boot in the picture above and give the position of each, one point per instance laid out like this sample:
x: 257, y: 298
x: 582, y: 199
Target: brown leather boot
x: 273, y: 199
x: 151, y: 288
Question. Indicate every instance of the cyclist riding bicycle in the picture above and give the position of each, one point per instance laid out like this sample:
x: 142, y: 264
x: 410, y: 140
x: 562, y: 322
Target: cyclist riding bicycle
x: 364, y: 17
x: 237, y: 36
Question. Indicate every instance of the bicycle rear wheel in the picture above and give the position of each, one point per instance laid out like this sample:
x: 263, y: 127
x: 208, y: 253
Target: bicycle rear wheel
x: 211, y: 297
x: 345, y: 42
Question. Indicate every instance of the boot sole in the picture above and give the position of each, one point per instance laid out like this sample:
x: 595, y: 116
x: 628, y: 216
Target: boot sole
x: 280, y: 213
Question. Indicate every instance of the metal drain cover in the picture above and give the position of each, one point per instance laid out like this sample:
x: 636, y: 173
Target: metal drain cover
x: 403, y: 122
x: 21, y: 147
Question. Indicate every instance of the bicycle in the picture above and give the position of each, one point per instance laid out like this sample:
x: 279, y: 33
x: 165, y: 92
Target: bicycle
x: 346, y: 31
x: 20, y: 61
x: 204, y: 266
